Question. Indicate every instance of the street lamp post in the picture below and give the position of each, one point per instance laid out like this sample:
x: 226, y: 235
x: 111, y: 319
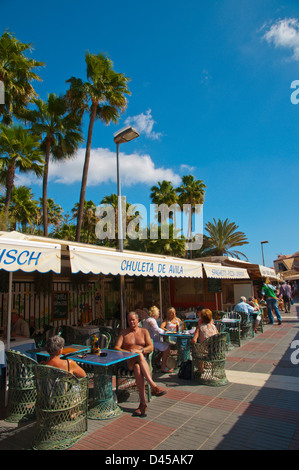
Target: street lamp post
x: 262, y: 243
x: 124, y: 135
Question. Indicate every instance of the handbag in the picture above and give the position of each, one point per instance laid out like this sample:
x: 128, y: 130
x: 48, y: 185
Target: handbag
x: 185, y: 370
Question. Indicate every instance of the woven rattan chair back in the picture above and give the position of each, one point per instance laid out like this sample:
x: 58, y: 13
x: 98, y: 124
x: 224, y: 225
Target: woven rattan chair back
x: 21, y: 387
x: 246, y: 324
x: 234, y: 330
x: 61, y: 408
x: 208, y: 361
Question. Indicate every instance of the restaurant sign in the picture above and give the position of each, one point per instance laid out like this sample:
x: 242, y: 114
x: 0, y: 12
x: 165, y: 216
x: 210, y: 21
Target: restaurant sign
x: 88, y: 260
x: 29, y: 256
x: 223, y: 272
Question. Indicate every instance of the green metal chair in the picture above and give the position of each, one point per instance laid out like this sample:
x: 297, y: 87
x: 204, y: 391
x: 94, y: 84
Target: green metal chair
x: 104, y: 340
x: 42, y: 338
x: 126, y: 389
x: 246, y: 325
x: 222, y: 328
x: 234, y: 329
x: 21, y: 387
x: 208, y: 361
x: 72, y: 336
x: 110, y: 333
x: 61, y: 408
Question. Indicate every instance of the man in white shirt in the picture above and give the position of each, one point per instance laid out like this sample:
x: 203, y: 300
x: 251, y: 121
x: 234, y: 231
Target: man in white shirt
x: 19, y: 327
x: 243, y: 306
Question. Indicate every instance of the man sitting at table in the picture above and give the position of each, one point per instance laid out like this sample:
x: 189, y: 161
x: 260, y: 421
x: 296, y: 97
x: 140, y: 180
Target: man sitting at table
x: 243, y: 306
x: 19, y: 327
x: 138, y: 340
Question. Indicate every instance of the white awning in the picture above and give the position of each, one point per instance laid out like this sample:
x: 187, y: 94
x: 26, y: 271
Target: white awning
x: 217, y: 271
x: 92, y: 260
x: 29, y: 256
x: 269, y: 272
x: 19, y: 253
x: 292, y: 277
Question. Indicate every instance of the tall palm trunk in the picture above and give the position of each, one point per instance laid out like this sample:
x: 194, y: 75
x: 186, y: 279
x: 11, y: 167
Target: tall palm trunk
x: 85, y: 170
x: 10, y: 177
x: 45, y: 187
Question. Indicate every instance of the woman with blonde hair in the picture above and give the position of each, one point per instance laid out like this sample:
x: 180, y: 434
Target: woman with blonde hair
x: 152, y: 326
x: 171, y: 323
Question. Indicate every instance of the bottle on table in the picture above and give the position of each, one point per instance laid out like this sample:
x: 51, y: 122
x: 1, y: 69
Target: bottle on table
x: 94, y: 345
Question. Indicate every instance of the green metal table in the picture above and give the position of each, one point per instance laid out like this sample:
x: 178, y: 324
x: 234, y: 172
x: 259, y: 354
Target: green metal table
x: 103, y: 406
x: 183, y: 345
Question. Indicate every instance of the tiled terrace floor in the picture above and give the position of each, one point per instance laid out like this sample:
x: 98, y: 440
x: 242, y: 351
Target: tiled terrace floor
x: 258, y: 409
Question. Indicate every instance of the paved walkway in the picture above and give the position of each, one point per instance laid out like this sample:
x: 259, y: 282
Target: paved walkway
x: 258, y: 409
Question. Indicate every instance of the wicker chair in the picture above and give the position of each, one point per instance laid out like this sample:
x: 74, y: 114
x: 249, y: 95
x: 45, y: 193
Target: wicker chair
x: 126, y: 389
x: 234, y: 330
x: 21, y: 387
x: 114, y: 323
x: 41, y: 339
x: 208, y: 361
x: 246, y: 325
x: 111, y: 333
x: 72, y: 336
x: 61, y: 408
x: 222, y: 328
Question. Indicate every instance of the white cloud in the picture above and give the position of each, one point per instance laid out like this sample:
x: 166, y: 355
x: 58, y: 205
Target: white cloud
x: 134, y: 169
x: 285, y: 33
x: 187, y: 168
x: 144, y: 124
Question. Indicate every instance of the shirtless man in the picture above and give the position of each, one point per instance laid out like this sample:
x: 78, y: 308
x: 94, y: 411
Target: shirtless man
x: 135, y: 339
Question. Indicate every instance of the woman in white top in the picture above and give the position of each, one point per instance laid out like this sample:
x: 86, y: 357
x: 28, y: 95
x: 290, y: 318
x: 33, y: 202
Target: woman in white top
x: 152, y: 326
x: 172, y: 322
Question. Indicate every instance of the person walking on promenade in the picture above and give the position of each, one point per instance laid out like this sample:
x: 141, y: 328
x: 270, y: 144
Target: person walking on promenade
x: 269, y: 293
x: 285, y: 292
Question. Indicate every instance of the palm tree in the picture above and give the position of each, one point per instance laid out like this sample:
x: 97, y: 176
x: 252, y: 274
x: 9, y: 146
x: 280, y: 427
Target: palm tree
x: 89, y: 220
x: 222, y: 236
x: 164, y: 193
x: 20, y: 150
x: 172, y: 246
x: 131, y: 214
x: 54, y: 212
x: 23, y: 208
x: 65, y: 232
x: 191, y: 192
x: 103, y: 96
x: 60, y: 136
x: 16, y: 72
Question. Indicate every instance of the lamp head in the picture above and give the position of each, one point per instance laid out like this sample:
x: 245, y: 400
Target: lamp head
x: 125, y: 135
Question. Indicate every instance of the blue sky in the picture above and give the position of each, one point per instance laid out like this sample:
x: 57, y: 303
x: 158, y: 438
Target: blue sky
x: 211, y: 95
